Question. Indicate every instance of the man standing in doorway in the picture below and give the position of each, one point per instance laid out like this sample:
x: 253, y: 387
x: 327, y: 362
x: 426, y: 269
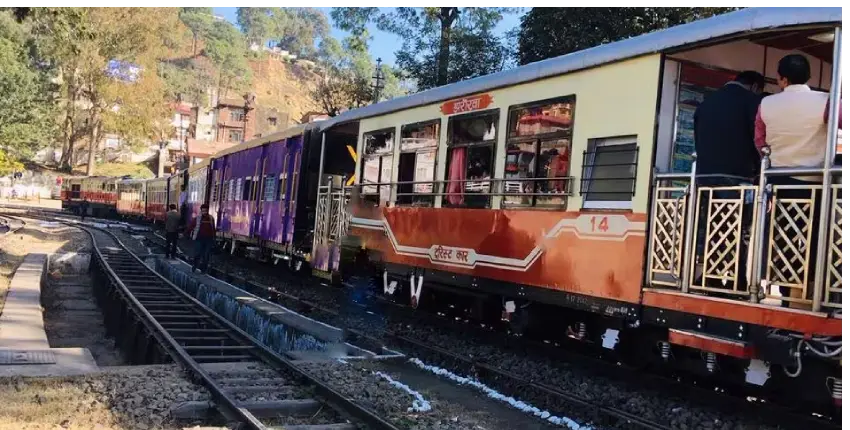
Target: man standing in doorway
x: 172, y: 226
x: 724, y: 126
x: 203, y: 233
x: 793, y: 124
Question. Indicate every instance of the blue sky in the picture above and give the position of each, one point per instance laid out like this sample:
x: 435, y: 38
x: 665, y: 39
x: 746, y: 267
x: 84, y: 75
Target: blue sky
x: 383, y: 44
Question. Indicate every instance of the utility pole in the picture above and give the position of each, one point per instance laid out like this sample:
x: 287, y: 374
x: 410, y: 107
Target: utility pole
x: 378, y: 86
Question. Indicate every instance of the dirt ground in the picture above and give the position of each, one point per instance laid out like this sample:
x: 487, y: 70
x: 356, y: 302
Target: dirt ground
x: 121, y: 398
x: 34, y: 238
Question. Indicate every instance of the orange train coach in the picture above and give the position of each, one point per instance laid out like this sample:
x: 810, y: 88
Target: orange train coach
x: 559, y: 198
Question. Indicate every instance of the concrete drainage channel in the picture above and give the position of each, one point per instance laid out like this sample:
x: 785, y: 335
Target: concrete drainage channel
x: 284, y: 331
x: 72, y: 318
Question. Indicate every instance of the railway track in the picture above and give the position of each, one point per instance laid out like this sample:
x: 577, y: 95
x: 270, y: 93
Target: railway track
x: 9, y: 225
x: 500, y: 379
x: 725, y: 402
x: 234, y: 367
x: 488, y: 374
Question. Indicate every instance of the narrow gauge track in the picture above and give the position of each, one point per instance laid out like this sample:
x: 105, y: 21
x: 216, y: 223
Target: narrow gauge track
x: 485, y: 373
x: 225, y: 359
x: 9, y: 225
x: 515, y: 384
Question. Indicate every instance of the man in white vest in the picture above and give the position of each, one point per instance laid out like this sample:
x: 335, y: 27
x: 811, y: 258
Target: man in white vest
x: 793, y: 124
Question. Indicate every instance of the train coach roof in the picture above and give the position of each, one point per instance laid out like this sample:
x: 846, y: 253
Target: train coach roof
x: 260, y: 141
x: 721, y: 26
x: 198, y: 166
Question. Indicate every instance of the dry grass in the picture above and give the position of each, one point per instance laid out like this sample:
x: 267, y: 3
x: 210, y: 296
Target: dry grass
x: 36, y: 404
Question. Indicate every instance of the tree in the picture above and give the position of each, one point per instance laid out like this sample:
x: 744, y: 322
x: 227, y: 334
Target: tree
x: 550, y: 32
x: 27, y: 115
x: 258, y: 23
x: 440, y: 45
x: 107, y: 58
x: 225, y: 47
x: 347, y: 78
x: 199, y: 20
x: 299, y: 28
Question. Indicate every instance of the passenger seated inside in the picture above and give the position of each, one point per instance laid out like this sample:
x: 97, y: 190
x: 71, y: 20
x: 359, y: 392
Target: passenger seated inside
x: 793, y: 124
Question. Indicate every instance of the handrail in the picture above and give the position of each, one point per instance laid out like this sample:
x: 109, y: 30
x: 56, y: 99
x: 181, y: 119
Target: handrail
x: 768, y: 225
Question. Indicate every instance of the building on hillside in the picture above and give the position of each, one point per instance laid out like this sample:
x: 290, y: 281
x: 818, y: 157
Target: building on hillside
x: 201, y: 149
x: 269, y: 120
x: 235, y: 119
x: 313, y: 116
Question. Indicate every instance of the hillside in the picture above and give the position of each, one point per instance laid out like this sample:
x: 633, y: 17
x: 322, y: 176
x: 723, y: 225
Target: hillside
x: 284, y: 86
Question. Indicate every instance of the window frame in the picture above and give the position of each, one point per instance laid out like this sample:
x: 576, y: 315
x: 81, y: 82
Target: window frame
x: 236, y: 115
x: 537, y: 140
x: 380, y: 156
x: 429, y: 197
x: 587, y: 171
x: 231, y: 131
x: 492, y: 143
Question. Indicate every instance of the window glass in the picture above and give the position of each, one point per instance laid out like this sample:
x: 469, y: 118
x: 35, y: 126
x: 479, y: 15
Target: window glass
x: 553, y: 162
x: 470, y: 159
x: 610, y: 172
x: 371, y: 174
x: 426, y: 163
x: 236, y: 115
x: 538, y: 148
x: 520, y: 163
x: 234, y: 135
x: 380, y: 142
x: 418, y: 160
x: 418, y: 136
x: 473, y: 129
x: 246, y: 189
x: 269, y: 189
x: 542, y: 119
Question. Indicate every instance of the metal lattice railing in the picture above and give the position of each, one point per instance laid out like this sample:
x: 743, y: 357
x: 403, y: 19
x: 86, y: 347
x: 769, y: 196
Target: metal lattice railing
x: 718, y: 259
x: 668, y: 239
x: 790, y: 243
x: 832, y: 298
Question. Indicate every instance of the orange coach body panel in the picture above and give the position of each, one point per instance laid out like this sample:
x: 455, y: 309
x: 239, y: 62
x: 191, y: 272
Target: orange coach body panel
x: 597, y: 254
x: 763, y: 315
x: 712, y: 344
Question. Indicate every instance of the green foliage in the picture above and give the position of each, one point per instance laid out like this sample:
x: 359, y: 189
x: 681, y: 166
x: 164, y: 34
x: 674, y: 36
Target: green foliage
x: 299, y: 28
x: 27, y: 114
x: 347, y: 81
x: 136, y: 171
x: 199, y: 20
x: 550, y: 32
x: 9, y: 165
x: 440, y: 45
x: 258, y: 23
x: 226, y: 48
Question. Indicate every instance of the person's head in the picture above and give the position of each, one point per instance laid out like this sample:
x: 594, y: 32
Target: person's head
x: 754, y: 81
x: 172, y: 207
x: 793, y: 69
x: 205, y: 209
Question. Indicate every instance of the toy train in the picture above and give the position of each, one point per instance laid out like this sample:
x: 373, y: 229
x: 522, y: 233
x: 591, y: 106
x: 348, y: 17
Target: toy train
x: 535, y: 198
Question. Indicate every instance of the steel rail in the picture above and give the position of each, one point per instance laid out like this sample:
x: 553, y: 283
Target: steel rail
x: 335, y: 399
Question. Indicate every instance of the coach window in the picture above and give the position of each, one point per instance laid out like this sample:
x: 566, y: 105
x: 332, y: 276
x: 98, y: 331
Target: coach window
x: 246, y: 188
x: 609, y: 172
x: 538, y: 147
x: 377, y: 164
x: 471, y: 139
x: 417, y: 162
x: 270, y: 188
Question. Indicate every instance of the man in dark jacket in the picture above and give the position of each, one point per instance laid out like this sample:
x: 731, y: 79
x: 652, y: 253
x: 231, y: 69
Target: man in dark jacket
x: 172, y: 227
x: 203, y: 233
x: 724, y: 129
